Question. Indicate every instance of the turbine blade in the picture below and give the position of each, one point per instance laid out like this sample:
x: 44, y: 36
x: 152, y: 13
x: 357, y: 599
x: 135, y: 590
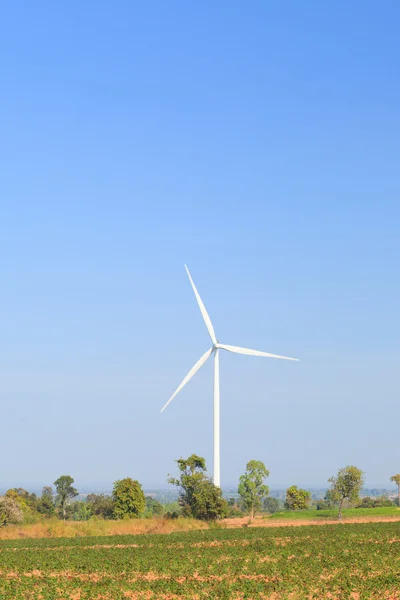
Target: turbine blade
x: 239, y: 350
x: 189, y: 376
x: 203, y: 311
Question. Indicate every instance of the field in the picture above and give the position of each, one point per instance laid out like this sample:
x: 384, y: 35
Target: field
x: 383, y: 511
x: 355, y: 561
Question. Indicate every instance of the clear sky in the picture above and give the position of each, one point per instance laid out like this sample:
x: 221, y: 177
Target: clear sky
x: 260, y: 144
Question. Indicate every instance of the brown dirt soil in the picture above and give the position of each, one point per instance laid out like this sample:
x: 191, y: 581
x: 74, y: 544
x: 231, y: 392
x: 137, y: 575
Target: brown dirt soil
x: 261, y: 522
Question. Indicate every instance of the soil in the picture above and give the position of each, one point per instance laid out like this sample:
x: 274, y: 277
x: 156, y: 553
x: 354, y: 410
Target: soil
x: 262, y: 522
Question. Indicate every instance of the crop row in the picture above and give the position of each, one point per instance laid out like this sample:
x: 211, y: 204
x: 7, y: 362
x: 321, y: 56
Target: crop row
x: 347, y: 561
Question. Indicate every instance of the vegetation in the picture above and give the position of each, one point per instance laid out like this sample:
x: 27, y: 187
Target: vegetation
x: 65, y: 491
x: 101, y: 505
x: 296, y: 498
x: 328, y: 502
x: 198, y: 496
x: 368, y: 502
x: 346, y: 486
x: 252, y: 489
x: 198, y: 499
x: 272, y: 505
x: 10, y: 511
x: 94, y: 527
x: 46, y: 504
x: 396, y: 479
x: 153, y: 507
x: 355, y: 561
x: 331, y: 514
x: 128, y: 498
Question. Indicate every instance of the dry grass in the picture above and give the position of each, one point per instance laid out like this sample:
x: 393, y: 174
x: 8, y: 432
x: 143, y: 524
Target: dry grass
x: 70, y: 529
x: 59, y: 529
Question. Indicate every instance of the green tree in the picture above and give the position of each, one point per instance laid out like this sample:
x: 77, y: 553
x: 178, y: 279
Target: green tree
x: 28, y: 498
x: 193, y: 471
x: 198, y: 496
x: 26, y: 501
x: 327, y: 503
x: 271, y: 505
x: 396, y: 480
x: 45, y: 505
x: 101, y: 505
x: 129, y: 500
x: 172, y: 510
x: 252, y: 489
x: 65, y: 492
x: 297, y: 498
x: 346, y: 486
x: 368, y: 502
x: 235, y: 508
x: 209, y: 504
x: 47, y: 490
x: 153, y: 507
x: 78, y: 511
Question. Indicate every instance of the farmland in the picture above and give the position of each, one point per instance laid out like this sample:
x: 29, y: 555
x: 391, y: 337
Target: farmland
x: 355, y: 561
x: 383, y: 511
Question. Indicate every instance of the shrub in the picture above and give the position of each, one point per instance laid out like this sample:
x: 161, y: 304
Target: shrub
x: 10, y: 511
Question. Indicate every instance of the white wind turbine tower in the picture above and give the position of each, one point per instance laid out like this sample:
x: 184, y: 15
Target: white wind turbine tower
x: 216, y: 346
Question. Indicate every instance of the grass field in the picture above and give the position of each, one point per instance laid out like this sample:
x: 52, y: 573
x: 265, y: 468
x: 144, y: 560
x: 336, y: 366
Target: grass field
x: 384, y: 511
x: 54, y: 528
x: 352, y: 561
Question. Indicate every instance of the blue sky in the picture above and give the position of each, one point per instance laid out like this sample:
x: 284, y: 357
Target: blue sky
x: 258, y: 144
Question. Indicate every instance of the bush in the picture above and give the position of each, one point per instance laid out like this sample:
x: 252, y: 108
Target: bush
x: 172, y: 515
x: 78, y: 511
x: 10, y: 511
x: 271, y: 505
x: 368, y: 502
x: 101, y: 505
x: 297, y: 498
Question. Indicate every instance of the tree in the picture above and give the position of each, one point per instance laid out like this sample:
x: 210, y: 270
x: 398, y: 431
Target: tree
x: 396, y: 480
x: 26, y: 500
x: 10, y: 511
x: 346, y: 485
x: 172, y: 510
x: 251, y: 486
x: 297, y: 498
x: 65, y: 491
x: 45, y: 504
x: 128, y: 498
x: 193, y: 471
x: 198, y: 496
x: 153, y: 507
x: 271, y: 505
x: 208, y: 503
x: 327, y: 503
x: 234, y: 508
x: 368, y: 502
x: 101, y: 505
x: 78, y: 511
x: 47, y: 490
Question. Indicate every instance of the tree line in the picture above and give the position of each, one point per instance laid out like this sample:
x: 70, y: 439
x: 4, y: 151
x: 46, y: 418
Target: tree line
x: 198, y: 497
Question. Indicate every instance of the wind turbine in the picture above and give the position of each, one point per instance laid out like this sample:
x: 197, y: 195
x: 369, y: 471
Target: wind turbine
x: 215, y: 348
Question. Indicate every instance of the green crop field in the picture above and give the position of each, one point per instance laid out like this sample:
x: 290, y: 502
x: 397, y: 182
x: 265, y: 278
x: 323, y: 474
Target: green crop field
x: 382, y: 511
x: 355, y: 561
